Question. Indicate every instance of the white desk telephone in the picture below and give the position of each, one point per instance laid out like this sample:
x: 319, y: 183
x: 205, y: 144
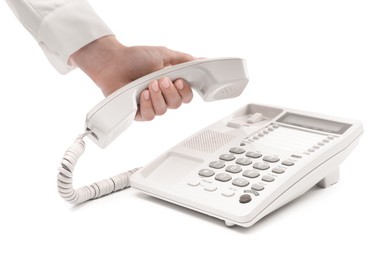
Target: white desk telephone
x: 238, y: 169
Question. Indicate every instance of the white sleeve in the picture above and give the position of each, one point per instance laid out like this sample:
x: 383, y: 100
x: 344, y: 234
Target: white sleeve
x: 61, y: 27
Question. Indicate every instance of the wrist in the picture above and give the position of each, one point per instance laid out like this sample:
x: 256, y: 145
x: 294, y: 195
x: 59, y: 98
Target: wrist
x: 95, y: 57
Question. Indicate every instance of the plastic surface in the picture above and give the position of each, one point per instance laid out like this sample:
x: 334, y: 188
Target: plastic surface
x: 213, y: 79
x: 199, y: 173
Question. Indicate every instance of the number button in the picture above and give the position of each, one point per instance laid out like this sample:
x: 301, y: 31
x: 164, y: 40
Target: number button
x: 254, y: 155
x: 237, y: 150
x: 217, y: 164
x: 268, y: 178
x: 233, y: 169
x: 271, y: 158
x: 244, y: 161
x: 206, y: 172
x: 261, y: 166
x: 227, y: 157
x: 223, y: 177
x: 288, y: 163
x: 240, y: 182
x: 251, y: 173
x: 278, y: 170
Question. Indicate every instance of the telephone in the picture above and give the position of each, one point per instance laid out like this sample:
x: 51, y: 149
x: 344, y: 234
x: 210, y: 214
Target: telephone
x: 239, y: 169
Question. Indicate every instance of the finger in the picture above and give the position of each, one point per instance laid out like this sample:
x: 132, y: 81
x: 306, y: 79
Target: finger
x: 145, y: 111
x: 171, y: 57
x: 171, y: 95
x: 184, y: 90
x: 158, y: 101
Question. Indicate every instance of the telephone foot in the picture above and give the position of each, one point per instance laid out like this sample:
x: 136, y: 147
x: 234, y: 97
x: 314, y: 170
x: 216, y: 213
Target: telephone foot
x: 332, y: 178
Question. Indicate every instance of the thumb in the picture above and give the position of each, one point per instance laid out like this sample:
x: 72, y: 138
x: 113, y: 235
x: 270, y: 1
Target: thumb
x: 171, y: 57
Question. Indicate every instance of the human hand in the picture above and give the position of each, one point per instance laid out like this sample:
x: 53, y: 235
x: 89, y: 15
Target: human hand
x: 111, y: 66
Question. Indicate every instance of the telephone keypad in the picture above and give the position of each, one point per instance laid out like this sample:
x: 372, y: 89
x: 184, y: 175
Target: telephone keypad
x: 252, y: 169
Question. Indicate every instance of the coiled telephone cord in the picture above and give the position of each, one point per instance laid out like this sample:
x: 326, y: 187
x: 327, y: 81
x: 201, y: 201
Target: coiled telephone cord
x: 93, y: 191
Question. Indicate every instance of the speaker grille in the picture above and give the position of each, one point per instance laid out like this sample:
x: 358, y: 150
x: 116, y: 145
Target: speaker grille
x: 208, y: 141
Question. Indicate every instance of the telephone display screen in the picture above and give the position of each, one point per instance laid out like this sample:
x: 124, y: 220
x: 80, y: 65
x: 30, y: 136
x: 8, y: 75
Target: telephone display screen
x: 314, y: 123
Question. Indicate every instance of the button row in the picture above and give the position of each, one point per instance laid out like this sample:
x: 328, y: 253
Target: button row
x: 237, y: 168
x: 239, y: 182
x: 246, y: 161
x: 244, y: 198
x: 261, y: 134
x: 255, y: 188
x: 320, y: 144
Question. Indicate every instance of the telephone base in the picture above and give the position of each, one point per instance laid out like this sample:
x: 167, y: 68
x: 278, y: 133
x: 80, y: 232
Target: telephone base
x: 332, y: 178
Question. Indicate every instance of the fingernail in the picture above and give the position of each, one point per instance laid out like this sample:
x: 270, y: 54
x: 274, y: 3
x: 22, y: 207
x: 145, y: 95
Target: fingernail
x: 146, y: 95
x: 179, y: 84
x: 165, y: 83
x: 154, y: 85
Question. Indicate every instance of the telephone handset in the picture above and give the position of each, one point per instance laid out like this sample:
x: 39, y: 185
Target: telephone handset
x: 213, y: 79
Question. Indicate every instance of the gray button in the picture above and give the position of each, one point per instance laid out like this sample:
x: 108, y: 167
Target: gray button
x: 311, y: 150
x: 325, y: 141
x: 233, y: 169
x: 261, y: 166
x: 227, y: 157
x: 223, y: 177
x: 254, y: 154
x: 296, y: 156
x: 321, y: 144
x: 252, y: 192
x: 206, y: 172
x: 237, y: 150
x: 275, y: 126
x: 245, y: 198
x: 265, y: 132
x: 271, y: 158
x: 316, y: 147
x: 278, y: 170
x: 251, y: 173
x: 268, y: 178
x: 257, y: 187
x: 260, y: 135
x: 288, y: 163
x: 243, y: 161
x: 240, y: 182
x: 217, y: 164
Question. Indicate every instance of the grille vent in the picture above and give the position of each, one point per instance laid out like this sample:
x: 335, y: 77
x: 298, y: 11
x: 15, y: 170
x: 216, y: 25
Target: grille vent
x: 208, y: 141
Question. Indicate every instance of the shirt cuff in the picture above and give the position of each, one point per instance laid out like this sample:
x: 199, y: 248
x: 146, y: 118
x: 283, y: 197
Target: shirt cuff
x: 67, y: 29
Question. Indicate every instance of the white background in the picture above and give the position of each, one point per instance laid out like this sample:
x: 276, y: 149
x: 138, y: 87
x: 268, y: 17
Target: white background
x: 330, y: 57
